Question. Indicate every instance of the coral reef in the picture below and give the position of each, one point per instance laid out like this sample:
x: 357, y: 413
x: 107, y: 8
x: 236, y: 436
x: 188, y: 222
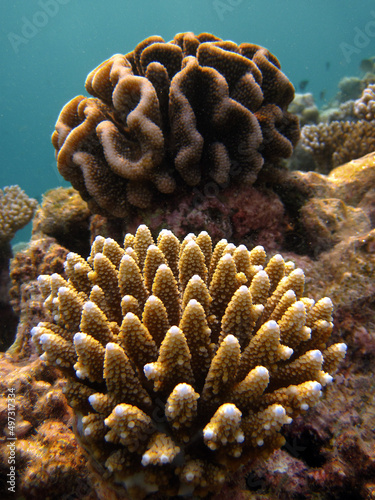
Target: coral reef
x: 344, y: 133
x: 364, y: 107
x: 43, y: 255
x: 63, y: 215
x: 303, y: 105
x: 188, y: 360
x: 337, y: 142
x: 327, y: 209
x: 226, y: 214
x: 169, y: 116
x: 16, y: 210
x: 49, y: 462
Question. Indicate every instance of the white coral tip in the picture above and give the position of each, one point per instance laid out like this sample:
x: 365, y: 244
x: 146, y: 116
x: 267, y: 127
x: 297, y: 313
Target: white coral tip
x: 183, y: 389
x: 316, y: 355
x: 89, y: 306
x: 230, y: 339
x: 44, y: 338
x: 192, y: 302
x: 149, y: 370
x: 79, y: 338
x: 272, y: 325
x: 120, y: 411
x: 341, y: 347
x: 174, y: 330
x: 145, y: 459
x: 261, y: 371
x: 278, y: 411
x: 93, y: 399
x: 208, y: 433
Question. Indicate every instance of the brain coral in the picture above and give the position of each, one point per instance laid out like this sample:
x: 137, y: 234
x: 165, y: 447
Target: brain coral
x: 188, y: 360
x: 171, y: 115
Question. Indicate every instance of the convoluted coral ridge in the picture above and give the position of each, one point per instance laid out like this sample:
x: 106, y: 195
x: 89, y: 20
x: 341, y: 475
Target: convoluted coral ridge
x: 172, y: 115
x: 183, y: 361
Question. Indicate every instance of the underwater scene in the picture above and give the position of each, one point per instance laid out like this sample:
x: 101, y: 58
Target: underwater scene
x: 187, y: 250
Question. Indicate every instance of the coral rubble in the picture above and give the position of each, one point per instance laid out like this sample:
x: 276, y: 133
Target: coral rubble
x: 169, y: 116
x: 188, y: 360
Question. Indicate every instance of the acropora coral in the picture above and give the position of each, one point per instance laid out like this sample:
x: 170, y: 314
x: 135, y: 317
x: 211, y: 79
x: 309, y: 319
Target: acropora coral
x: 169, y: 116
x: 183, y: 361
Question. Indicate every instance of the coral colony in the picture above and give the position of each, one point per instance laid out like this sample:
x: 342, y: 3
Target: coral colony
x: 170, y: 116
x: 183, y: 361
x: 184, y: 358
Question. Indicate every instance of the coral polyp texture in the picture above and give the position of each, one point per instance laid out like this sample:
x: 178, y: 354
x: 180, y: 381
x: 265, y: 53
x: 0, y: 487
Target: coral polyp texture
x: 172, y: 115
x: 183, y: 361
x: 16, y: 210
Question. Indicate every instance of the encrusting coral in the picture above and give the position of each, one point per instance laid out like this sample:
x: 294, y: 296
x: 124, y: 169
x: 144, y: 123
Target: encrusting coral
x: 188, y: 360
x: 172, y: 115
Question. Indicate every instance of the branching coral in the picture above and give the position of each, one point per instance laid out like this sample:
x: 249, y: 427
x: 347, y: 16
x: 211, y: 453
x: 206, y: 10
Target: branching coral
x: 188, y: 360
x: 364, y: 107
x: 16, y: 210
x: 345, y: 139
x: 338, y: 142
x: 169, y: 116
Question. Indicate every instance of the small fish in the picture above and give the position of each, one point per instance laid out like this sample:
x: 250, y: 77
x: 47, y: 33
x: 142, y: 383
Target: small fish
x: 303, y: 84
x: 322, y: 94
x: 328, y: 65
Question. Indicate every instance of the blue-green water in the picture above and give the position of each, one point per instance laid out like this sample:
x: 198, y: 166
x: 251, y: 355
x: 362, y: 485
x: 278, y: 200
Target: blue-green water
x: 49, y: 46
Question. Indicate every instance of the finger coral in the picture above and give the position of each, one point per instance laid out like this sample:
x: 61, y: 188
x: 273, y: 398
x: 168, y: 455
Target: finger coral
x: 172, y: 115
x: 16, y: 210
x: 183, y: 361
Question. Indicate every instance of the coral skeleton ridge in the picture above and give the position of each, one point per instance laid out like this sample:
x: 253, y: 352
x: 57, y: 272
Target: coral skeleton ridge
x: 172, y: 115
x: 183, y: 361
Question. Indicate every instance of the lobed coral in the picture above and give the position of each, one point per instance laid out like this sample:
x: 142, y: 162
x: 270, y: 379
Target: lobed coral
x: 16, y: 210
x: 188, y: 360
x: 171, y: 115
